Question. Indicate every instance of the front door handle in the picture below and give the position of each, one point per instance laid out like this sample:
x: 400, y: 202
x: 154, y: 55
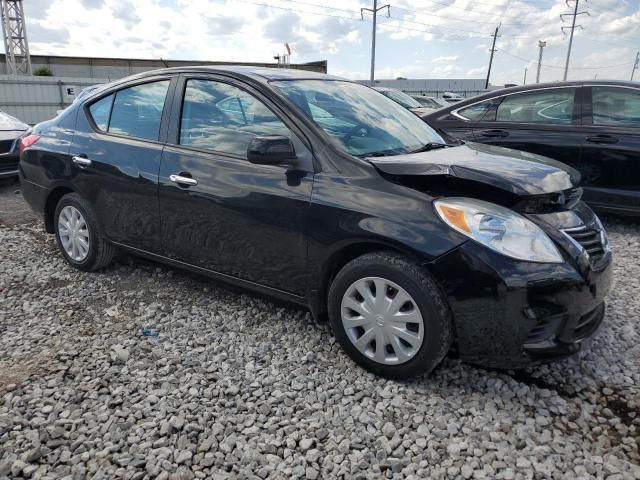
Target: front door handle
x: 494, y: 133
x: 82, y: 162
x: 602, y: 139
x: 182, y: 180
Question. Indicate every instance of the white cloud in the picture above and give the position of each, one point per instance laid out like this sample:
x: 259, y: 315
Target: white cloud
x: 446, y: 39
x: 450, y: 58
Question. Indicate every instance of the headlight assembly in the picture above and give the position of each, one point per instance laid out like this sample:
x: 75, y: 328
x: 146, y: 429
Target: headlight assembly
x: 498, y: 228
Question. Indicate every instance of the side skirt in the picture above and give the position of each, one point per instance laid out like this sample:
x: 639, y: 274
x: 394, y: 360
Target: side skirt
x: 222, y: 277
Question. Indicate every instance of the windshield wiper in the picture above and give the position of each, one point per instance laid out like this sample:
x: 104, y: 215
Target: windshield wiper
x: 432, y: 146
x: 380, y: 153
x: 377, y: 154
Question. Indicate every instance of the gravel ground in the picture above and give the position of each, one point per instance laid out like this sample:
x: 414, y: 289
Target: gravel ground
x: 235, y: 386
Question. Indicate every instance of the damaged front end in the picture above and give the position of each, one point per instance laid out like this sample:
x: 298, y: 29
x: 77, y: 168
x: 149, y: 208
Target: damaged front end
x: 523, y: 182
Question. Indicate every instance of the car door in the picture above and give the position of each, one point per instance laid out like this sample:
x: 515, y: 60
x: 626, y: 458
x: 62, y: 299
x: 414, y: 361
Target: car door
x: 543, y: 121
x: 116, y: 155
x: 233, y: 217
x: 611, y: 153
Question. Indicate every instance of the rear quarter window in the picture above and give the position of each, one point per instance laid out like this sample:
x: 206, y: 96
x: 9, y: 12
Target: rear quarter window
x: 100, y: 112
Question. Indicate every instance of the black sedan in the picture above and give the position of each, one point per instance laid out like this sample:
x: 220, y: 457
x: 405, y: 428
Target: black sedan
x: 324, y: 192
x: 592, y: 126
x: 405, y: 100
x: 11, y: 129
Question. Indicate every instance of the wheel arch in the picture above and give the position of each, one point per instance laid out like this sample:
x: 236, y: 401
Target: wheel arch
x: 50, y: 206
x: 335, y: 262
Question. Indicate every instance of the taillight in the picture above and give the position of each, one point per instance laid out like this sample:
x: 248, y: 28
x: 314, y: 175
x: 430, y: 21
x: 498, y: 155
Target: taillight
x: 27, y: 141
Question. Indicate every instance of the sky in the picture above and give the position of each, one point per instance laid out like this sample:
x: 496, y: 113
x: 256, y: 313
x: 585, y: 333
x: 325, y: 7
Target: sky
x: 415, y: 39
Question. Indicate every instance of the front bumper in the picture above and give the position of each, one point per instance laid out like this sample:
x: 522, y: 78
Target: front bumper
x: 511, y: 314
x: 9, y: 164
x: 9, y: 154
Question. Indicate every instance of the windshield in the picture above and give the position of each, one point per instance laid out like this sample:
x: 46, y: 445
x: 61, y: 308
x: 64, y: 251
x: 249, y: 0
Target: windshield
x: 361, y: 120
x: 402, y: 98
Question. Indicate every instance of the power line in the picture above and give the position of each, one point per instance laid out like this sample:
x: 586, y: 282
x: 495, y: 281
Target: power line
x: 546, y: 65
x: 486, y: 14
x: 451, y: 19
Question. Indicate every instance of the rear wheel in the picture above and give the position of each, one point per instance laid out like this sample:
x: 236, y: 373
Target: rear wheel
x: 389, y: 315
x: 78, y: 235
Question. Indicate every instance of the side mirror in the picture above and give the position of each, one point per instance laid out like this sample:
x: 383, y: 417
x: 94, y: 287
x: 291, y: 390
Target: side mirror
x: 270, y: 150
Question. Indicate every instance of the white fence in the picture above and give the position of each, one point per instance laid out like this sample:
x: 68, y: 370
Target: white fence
x: 35, y: 99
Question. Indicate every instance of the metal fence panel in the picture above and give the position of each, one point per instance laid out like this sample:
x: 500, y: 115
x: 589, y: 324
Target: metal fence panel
x: 36, y: 99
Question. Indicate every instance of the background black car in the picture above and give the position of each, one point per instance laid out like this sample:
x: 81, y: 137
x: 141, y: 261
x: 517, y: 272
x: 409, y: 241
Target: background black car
x: 405, y: 100
x: 11, y: 129
x: 323, y: 192
x: 592, y: 126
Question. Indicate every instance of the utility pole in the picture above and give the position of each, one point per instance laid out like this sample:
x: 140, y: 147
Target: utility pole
x: 374, y: 11
x: 524, y: 82
x: 16, y: 46
x: 541, y: 45
x: 635, y: 65
x: 573, y: 27
x: 493, y: 49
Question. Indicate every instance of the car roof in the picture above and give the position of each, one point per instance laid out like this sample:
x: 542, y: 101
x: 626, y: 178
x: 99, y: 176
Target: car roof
x: 264, y: 74
x: 540, y: 86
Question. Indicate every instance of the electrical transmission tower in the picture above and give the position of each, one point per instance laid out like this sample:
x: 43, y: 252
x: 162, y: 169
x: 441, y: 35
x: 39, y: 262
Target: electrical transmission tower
x: 16, y: 46
x: 374, y: 11
x: 636, y: 64
x: 573, y: 27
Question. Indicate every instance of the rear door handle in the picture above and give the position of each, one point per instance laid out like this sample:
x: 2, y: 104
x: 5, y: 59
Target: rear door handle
x: 82, y: 162
x: 602, y: 139
x: 494, y: 133
x: 182, y: 180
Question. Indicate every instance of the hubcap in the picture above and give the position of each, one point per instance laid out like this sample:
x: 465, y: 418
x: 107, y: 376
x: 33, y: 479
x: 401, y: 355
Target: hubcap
x: 74, y: 233
x: 382, y: 320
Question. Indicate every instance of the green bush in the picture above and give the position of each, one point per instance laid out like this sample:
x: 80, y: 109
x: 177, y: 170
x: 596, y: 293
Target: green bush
x: 43, y: 72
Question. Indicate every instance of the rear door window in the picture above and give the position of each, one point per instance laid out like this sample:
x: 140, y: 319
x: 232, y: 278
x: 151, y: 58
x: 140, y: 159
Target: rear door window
x: 616, y: 106
x: 137, y: 111
x: 550, y: 106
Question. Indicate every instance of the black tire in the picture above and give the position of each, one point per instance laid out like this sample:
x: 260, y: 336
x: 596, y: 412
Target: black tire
x: 438, y: 332
x: 100, y: 252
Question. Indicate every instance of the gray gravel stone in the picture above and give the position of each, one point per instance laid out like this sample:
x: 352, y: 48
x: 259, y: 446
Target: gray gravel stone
x: 237, y: 387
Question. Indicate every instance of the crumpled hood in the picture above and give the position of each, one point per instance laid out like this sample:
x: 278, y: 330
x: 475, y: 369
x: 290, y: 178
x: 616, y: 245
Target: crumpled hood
x: 517, y: 172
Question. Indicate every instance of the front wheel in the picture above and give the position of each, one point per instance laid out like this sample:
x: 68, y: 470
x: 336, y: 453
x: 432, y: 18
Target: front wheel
x: 78, y: 235
x: 389, y: 315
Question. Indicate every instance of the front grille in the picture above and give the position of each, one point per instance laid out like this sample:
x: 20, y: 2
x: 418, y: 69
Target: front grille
x: 590, y: 238
x: 5, y: 146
